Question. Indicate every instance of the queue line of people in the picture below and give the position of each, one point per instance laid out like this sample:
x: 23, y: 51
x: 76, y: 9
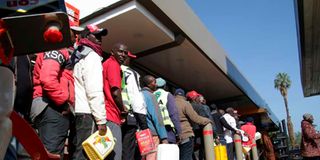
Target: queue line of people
x: 76, y: 90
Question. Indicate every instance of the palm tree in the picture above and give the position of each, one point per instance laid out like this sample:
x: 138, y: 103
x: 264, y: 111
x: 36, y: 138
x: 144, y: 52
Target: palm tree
x: 283, y: 83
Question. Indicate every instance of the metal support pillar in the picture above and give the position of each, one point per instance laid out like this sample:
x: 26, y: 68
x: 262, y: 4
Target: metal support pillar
x: 238, y: 146
x: 254, y: 150
x: 208, y: 142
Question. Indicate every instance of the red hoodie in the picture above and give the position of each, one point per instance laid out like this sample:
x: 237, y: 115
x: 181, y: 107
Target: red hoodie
x: 51, y: 80
x: 251, y: 130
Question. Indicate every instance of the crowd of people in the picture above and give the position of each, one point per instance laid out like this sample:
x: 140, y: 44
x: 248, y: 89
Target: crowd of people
x: 77, y: 91
x: 82, y: 89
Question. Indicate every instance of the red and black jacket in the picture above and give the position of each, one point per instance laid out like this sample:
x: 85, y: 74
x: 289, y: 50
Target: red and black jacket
x: 51, y: 80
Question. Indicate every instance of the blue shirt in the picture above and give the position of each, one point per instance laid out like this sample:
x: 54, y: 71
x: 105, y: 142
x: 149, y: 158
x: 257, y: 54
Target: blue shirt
x: 154, y: 119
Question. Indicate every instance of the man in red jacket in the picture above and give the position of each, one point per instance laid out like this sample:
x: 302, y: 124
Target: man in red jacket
x: 53, y: 94
x: 49, y: 110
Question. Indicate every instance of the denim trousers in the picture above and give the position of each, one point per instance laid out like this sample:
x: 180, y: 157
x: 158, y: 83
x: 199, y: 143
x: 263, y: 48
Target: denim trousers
x: 186, y: 150
x: 230, y: 150
x: 84, y: 126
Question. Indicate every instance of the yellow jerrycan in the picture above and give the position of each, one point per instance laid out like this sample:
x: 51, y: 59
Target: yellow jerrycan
x: 99, y: 147
x: 220, y: 152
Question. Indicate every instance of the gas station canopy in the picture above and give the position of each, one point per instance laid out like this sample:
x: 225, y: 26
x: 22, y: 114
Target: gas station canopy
x: 308, y: 23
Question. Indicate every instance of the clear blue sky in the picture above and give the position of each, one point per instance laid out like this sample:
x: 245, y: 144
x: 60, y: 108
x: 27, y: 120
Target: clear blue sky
x: 260, y: 38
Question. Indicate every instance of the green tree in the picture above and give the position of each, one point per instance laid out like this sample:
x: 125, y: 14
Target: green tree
x: 283, y: 83
x: 298, y: 137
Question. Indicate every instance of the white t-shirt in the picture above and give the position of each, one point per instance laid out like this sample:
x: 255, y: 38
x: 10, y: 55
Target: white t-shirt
x: 134, y: 91
x: 232, y: 122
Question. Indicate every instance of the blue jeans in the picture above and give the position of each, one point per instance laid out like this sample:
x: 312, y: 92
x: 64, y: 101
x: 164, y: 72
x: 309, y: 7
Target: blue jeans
x: 230, y: 150
x: 222, y: 140
x: 84, y: 127
x: 16, y: 151
x: 186, y: 150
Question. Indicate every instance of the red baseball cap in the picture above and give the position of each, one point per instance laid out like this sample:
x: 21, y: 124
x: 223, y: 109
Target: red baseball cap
x: 131, y: 55
x: 192, y: 95
x: 96, y: 30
